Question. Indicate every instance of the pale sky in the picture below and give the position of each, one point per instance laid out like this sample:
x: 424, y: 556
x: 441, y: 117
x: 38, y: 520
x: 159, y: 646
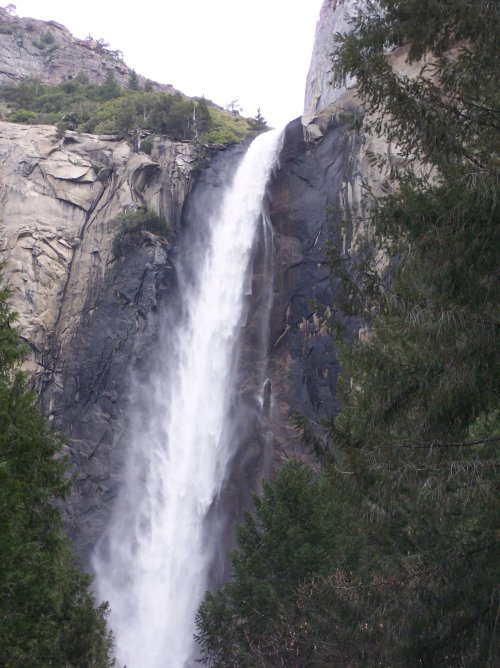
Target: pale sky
x: 256, y: 51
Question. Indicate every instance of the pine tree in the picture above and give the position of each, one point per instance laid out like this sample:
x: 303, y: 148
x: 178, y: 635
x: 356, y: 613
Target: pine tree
x: 47, y: 612
x: 133, y: 81
x: 419, y: 426
x: 259, y: 123
x: 296, y: 533
x: 110, y: 88
x: 203, y: 118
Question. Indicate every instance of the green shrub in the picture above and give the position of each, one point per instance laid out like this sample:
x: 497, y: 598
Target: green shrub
x: 47, y: 38
x: 225, y: 128
x: 23, y: 116
x: 147, y: 146
x: 138, y: 221
x: 61, y: 130
x: 4, y: 111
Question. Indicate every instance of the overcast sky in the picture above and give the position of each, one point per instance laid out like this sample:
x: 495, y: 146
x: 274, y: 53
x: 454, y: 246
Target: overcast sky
x: 255, y: 51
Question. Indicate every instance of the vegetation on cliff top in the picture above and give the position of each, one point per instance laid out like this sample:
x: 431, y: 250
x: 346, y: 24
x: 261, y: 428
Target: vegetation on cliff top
x: 48, y: 615
x: 108, y: 108
x: 409, y: 575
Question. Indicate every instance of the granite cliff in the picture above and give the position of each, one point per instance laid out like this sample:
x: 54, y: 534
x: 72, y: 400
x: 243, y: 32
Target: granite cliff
x: 48, y: 51
x: 85, y: 310
x: 320, y: 91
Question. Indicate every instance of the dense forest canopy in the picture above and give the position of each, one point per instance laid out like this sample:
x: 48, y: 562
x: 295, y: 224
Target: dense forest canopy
x: 404, y: 536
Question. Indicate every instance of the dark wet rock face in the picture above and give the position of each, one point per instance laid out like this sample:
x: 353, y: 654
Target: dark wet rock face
x: 305, y: 197
x: 112, y: 341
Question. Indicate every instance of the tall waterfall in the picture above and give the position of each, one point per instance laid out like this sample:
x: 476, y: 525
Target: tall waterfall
x: 153, y: 563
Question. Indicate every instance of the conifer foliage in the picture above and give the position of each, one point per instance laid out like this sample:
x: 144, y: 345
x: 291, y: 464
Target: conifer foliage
x: 292, y: 535
x: 413, y: 454
x: 48, y: 615
x: 108, y: 108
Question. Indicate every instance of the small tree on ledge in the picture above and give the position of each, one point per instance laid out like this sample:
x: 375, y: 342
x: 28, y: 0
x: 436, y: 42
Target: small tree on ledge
x: 259, y: 123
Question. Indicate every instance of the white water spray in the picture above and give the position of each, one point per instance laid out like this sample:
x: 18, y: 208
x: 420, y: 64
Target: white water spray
x: 152, y: 565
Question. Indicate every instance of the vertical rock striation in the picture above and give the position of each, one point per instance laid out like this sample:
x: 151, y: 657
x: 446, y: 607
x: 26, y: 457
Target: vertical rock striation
x: 305, y: 199
x: 334, y: 18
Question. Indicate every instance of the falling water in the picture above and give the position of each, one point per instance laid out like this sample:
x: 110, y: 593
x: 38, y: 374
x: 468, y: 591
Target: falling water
x: 153, y: 563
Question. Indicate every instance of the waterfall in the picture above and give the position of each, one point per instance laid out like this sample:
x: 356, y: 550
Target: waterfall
x: 153, y: 562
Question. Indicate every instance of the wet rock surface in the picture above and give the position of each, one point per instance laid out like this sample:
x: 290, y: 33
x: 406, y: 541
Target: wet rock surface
x: 111, y: 343
x: 303, y: 196
x: 320, y: 181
